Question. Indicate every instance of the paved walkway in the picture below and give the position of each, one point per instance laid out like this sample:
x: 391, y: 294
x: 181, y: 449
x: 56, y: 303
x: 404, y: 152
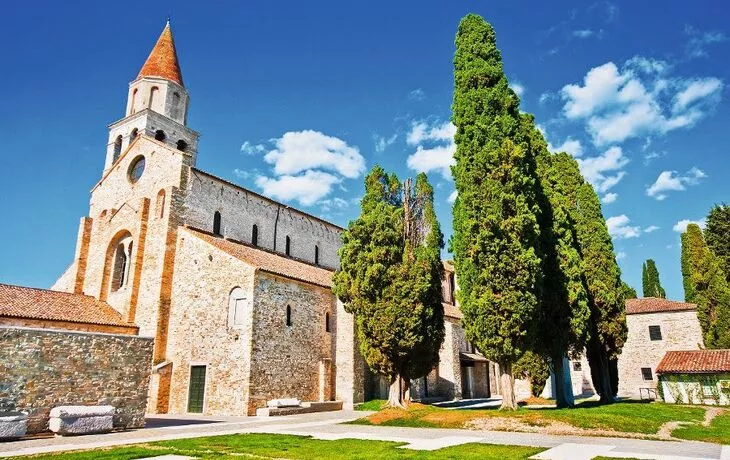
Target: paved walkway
x: 328, y: 426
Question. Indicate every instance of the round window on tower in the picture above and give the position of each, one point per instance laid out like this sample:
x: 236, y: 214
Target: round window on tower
x: 136, y: 169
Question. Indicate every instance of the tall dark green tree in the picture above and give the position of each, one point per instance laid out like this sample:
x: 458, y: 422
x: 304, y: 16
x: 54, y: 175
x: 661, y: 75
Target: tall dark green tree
x: 564, y: 311
x: 650, y: 282
x: 496, y: 233
x: 708, y: 288
x: 602, y: 276
x: 717, y: 235
x: 390, y: 279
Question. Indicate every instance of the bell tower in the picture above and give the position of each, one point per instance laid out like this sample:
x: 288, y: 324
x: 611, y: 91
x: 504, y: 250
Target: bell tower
x: 157, y: 105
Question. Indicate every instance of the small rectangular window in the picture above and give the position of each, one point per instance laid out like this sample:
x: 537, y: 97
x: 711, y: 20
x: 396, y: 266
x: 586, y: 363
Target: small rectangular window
x: 646, y: 373
x: 655, y: 332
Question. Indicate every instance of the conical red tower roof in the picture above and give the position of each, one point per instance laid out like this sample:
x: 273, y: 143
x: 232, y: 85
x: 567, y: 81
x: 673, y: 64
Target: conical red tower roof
x: 162, y: 61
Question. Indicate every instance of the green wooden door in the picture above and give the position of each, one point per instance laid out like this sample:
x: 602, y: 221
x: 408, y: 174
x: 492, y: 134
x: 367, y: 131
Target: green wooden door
x: 196, y: 392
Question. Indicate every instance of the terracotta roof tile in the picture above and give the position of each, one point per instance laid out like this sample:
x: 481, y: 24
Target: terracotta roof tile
x: 656, y: 305
x: 268, y: 261
x: 694, y: 362
x: 43, y: 304
x: 162, y: 61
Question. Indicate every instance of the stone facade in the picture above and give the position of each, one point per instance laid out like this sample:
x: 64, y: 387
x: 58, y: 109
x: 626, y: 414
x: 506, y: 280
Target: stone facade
x: 41, y: 369
x: 680, y: 330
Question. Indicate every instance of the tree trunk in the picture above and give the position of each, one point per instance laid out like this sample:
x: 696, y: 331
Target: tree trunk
x: 508, y: 387
x: 563, y: 389
x: 397, y: 392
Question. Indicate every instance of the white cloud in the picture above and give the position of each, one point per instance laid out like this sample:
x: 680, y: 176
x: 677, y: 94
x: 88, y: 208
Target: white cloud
x: 417, y: 95
x: 518, y: 88
x: 620, y: 255
x: 638, y: 99
x: 452, y: 196
x: 547, y: 97
x: 671, y: 181
x: 571, y: 146
x: 609, y: 198
x: 605, y: 170
x: 307, y: 188
x: 583, y: 33
x: 681, y: 226
x: 698, y: 41
x: 435, y: 147
x: 298, y: 151
x: 651, y: 228
x: 619, y: 228
x: 382, y: 143
x: 252, y: 149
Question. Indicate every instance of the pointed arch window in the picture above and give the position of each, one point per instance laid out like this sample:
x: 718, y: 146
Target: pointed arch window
x: 117, y: 147
x: 161, y: 203
x: 119, y: 276
x: 288, y: 246
x: 153, y: 95
x: 255, y: 235
x: 132, y: 107
x: 217, y: 223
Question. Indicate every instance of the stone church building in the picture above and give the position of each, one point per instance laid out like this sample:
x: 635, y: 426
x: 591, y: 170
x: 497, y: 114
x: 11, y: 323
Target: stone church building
x: 234, y: 287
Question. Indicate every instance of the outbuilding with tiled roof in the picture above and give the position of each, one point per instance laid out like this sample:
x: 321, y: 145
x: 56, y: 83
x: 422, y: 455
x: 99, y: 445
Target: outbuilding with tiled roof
x: 695, y: 377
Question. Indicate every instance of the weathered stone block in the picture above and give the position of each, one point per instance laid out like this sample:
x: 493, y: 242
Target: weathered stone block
x: 13, y: 424
x: 70, y: 420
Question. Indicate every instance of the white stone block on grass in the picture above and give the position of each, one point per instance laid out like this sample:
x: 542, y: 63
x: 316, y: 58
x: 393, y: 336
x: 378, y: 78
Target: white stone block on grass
x: 284, y: 402
x: 13, y: 424
x: 72, y: 420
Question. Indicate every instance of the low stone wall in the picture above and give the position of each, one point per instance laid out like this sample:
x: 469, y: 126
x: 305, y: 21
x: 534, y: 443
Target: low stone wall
x: 43, y: 368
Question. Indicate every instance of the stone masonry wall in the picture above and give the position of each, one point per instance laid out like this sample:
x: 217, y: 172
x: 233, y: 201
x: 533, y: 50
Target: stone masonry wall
x: 41, y: 369
x: 240, y: 209
x: 200, y: 333
x: 680, y: 331
x: 285, y: 360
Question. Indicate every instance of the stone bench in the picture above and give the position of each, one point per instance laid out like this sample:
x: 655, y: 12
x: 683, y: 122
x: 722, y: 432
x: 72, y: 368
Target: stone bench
x: 13, y: 424
x: 284, y: 402
x: 73, y: 420
x: 304, y: 408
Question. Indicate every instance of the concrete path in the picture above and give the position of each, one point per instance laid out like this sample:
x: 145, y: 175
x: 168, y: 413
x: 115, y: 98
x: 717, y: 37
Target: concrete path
x: 327, y: 426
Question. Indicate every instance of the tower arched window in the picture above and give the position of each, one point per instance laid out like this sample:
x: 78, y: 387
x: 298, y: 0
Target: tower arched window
x: 255, y: 235
x: 316, y: 254
x: 132, y: 107
x: 119, y: 275
x: 327, y: 322
x: 117, y: 147
x: 161, y: 203
x: 288, y: 246
x: 217, y: 223
x: 182, y: 145
x: 153, y: 95
x: 160, y: 135
x: 133, y: 135
x: 288, y: 315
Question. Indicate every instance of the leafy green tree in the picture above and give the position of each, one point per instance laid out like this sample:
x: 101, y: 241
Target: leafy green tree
x: 651, y: 284
x: 629, y: 292
x: 532, y: 366
x: 564, y: 310
x: 390, y: 279
x: 717, y: 235
x: 708, y: 288
x: 602, y: 276
x: 496, y: 233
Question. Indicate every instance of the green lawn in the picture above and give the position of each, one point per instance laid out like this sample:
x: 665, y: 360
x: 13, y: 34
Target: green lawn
x: 270, y: 446
x: 631, y: 417
x: 717, y: 432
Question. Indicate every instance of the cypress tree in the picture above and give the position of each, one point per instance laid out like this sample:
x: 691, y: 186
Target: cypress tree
x: 564, y: 311
x: 717, y: 235
x: 708, y: 288
x: 496, y: 232
x: 651, y: 284
x: 390, y: 279
x: 607, y: 324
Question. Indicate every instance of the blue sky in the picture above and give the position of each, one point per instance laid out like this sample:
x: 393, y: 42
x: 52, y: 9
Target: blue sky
x: 299, y: 99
